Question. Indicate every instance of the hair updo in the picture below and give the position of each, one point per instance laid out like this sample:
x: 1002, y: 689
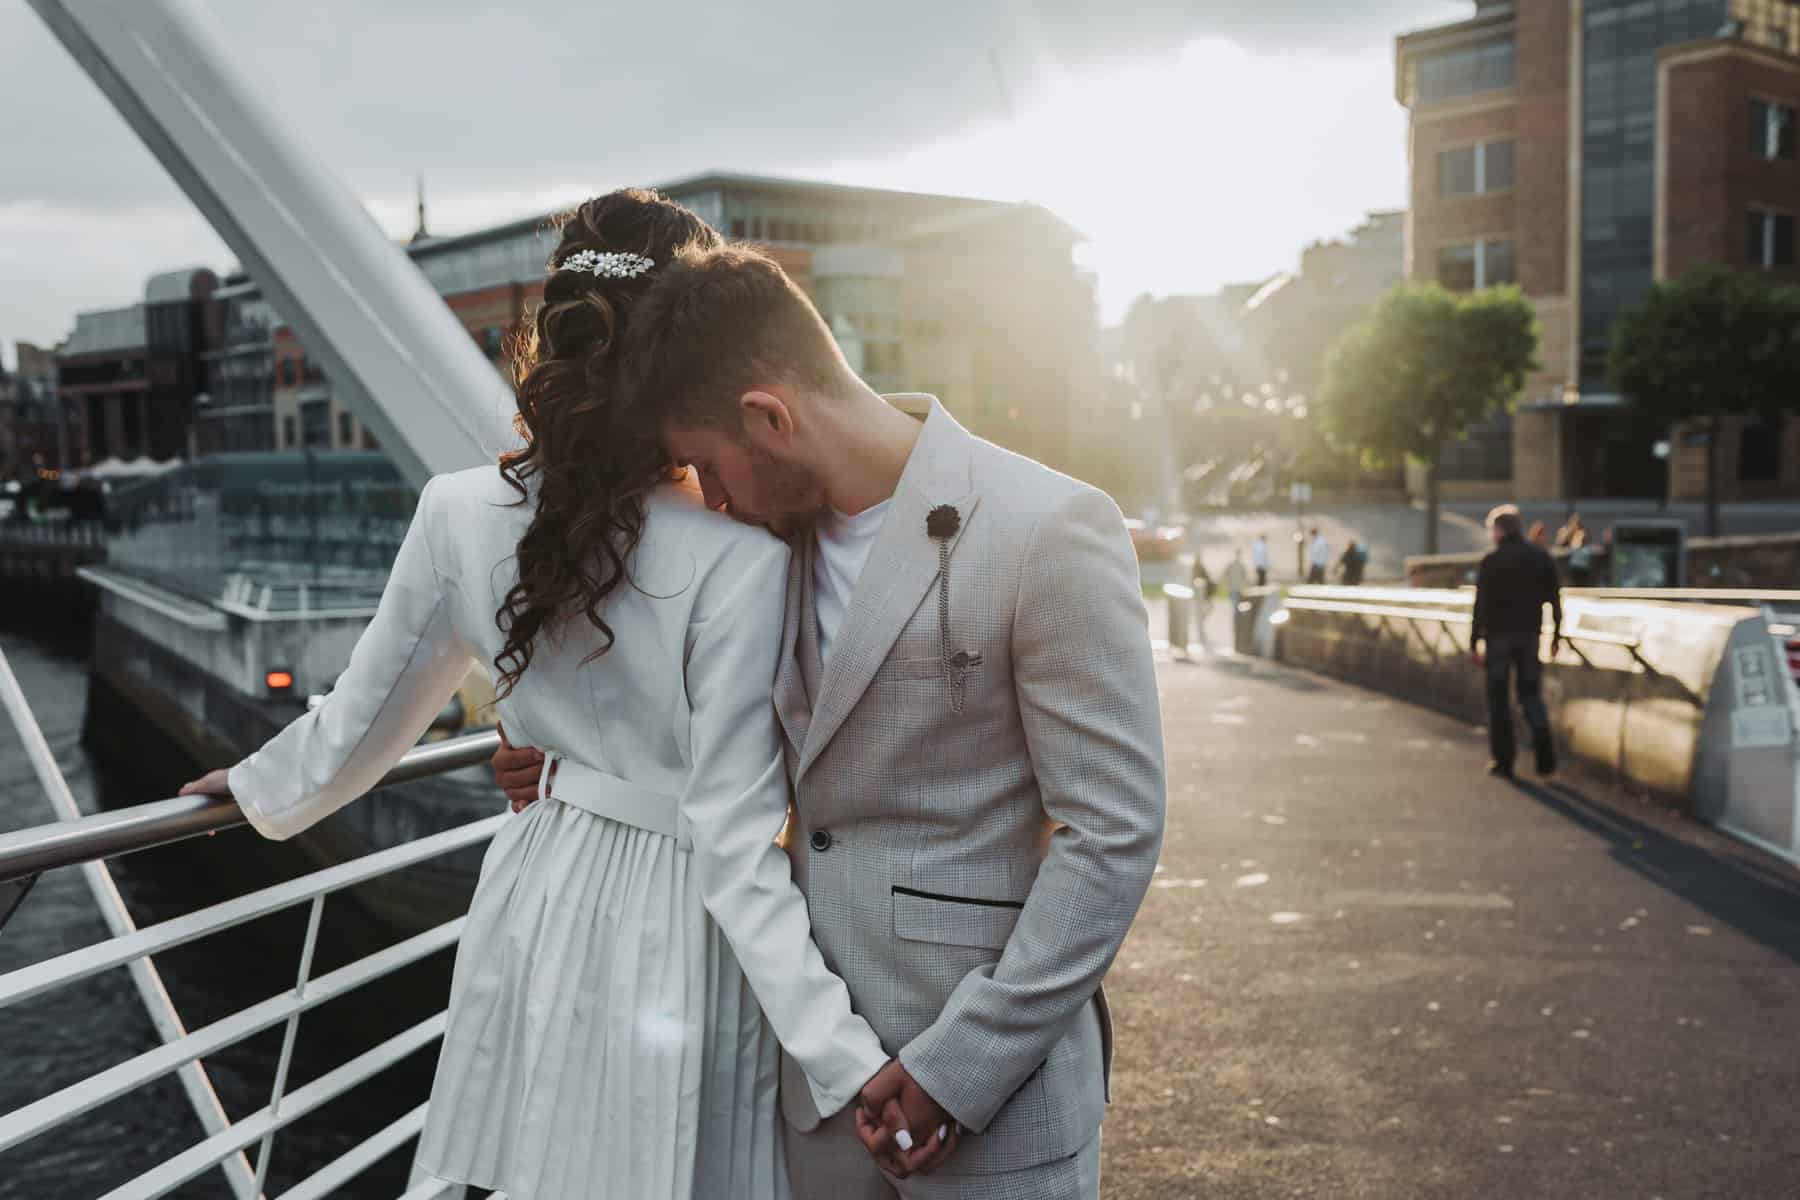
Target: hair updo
x: 592, y: 453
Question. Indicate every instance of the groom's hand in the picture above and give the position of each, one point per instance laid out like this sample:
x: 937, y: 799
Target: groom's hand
x: 516, y: 770
x: 892, y: 1104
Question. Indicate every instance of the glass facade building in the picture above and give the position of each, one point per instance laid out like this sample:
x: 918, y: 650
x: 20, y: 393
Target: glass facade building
x: 1620, y: 39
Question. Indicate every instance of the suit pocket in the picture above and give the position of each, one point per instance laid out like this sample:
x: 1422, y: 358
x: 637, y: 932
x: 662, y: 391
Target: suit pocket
x: 895, y: 669
x: 954, y: 920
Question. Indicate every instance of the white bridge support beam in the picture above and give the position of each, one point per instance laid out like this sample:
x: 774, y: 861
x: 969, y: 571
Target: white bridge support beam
x: 396, y: 355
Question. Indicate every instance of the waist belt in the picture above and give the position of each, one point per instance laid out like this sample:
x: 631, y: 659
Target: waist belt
x: 593, y: 791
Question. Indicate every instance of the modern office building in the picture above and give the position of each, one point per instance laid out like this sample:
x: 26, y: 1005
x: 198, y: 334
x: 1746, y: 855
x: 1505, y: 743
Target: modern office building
x: 33, y: 436
x: 1583, y: 149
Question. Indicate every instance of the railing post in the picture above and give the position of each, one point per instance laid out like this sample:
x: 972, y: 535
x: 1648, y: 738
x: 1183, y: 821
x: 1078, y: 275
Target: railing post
x: 158, y: 1005
x: 287, y: 1040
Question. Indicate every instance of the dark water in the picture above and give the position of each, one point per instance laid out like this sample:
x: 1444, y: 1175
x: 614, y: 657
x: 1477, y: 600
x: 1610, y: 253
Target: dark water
x: 74, y: 1031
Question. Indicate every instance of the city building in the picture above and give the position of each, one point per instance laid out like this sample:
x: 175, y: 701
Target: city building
x: 30, y: 415
x: 977, y: 301
x: 132, y: 375
x: 1583, y: 149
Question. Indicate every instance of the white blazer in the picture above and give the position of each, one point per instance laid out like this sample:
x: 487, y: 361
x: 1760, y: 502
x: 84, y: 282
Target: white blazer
x: 679, y: 708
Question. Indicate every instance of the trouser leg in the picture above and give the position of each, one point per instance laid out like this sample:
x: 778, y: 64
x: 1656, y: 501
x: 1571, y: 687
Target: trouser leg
x: 1500, y: 726
x: 830, y: 1163
x: 1076, y: 1177
x: 1531, y: 695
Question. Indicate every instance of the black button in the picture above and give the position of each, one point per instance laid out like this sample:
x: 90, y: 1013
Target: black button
x: 821, y: 840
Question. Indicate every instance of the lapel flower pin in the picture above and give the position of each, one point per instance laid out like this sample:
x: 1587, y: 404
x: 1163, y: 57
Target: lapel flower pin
x: 943, y: 523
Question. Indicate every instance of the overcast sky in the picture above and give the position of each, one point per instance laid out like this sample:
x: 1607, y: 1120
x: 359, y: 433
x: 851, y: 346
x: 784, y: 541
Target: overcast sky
x: 1194, y: 143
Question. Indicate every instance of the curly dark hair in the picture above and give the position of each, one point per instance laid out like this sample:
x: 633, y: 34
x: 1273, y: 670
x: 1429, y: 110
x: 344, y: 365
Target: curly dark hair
x: 592, y: 453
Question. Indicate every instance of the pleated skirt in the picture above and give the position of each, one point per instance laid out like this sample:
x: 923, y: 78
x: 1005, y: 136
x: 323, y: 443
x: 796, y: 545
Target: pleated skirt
x: 601, y: 1039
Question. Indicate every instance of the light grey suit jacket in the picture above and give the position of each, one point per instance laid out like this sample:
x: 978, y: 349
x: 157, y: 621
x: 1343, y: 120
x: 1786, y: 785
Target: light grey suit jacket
x: 970, y: 874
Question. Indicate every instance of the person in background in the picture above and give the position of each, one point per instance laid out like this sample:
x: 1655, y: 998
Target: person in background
x: 1236, y: 579
x: 1570, y: 531
x: 1539, y: 535
x: 1259, y: 558
x: 1515, y: 582
x: 1318, y: 557
x: 1581, y: 559
x: 1350, y: 564
x: 1204, y: 586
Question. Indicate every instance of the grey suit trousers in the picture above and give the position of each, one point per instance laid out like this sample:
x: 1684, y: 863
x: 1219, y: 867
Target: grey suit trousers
x: 830, y: 1163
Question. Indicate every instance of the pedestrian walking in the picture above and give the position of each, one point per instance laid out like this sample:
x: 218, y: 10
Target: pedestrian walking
x: 1259, y: 558
x: 1581, y: 560
x: 1350, y: 565
x: 1318, y: 558
x: 1236, y: 579
x: 1515, y: 582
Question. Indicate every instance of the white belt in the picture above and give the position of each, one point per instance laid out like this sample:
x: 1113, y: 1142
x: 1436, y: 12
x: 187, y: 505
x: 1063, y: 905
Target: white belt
x: 581, y: 786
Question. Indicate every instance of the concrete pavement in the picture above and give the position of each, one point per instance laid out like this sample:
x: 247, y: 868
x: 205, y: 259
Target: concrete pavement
x: 1366, y: 969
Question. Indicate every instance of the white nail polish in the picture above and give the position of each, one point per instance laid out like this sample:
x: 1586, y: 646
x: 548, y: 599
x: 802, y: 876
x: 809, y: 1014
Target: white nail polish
x: 943, y: 1132
x: 903, y: 1139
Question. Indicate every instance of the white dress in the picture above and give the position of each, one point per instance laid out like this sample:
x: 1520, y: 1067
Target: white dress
x: 604, y: 1035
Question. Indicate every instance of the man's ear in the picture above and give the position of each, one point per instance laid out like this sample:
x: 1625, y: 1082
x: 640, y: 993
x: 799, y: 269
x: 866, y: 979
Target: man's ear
x: 768, y: 420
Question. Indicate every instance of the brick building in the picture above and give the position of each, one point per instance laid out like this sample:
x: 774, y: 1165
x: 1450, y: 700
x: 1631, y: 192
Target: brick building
x: 1583, y: 149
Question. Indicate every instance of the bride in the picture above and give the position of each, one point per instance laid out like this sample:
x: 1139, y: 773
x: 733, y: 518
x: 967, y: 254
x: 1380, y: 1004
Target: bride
x: 635, y: 948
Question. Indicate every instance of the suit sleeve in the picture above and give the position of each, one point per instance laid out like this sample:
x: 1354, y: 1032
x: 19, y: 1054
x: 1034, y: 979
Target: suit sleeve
x: 1086, y: 687
x: 405, y: 667
x: 1553, y: 595
x: 736, y: 803
x: 1483, y: 594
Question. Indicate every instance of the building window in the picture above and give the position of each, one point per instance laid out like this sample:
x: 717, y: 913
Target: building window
x: 1468, y: 266
x: 315, y: 424
x: 290, y: 436
x: 737, y: 228
x: 1771, y: 130
x: 1465, y: 71
x: 1759, y: 453
x: 1476, y: 170
x: 1769, y: 240
x: 346, y: 435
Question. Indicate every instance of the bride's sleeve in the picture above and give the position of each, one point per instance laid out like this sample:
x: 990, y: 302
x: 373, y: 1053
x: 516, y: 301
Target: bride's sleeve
x: 736, y: 802
x: 405, y: 667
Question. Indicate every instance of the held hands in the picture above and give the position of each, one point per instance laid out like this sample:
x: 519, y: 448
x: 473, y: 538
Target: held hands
x: 516, y: 770
x: 904, y: 1130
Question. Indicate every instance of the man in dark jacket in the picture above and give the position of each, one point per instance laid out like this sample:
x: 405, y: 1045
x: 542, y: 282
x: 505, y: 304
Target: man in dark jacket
x: 1516, y: 580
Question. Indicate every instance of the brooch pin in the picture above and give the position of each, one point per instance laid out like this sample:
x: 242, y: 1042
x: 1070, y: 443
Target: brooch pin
x: 942, y: 524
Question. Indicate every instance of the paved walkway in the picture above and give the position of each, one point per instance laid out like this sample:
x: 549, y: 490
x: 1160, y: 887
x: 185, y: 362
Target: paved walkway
x: 1368, y: 970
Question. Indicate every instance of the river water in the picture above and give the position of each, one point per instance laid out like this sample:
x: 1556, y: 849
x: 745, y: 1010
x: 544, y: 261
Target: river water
x: 74, y: 1031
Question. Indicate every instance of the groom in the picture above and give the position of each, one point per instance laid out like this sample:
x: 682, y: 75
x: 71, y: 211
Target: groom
x: 972, y: 735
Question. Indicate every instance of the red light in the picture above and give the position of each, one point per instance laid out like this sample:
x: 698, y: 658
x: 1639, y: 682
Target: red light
x: 279, y: 681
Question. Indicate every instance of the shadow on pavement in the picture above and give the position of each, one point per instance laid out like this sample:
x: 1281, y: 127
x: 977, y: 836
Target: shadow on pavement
x: 1263, y: 671
x: 1762, y: 902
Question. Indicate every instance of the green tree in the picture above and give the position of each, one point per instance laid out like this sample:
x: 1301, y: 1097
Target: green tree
x: 1712, y: 343
x: 1421, y: 369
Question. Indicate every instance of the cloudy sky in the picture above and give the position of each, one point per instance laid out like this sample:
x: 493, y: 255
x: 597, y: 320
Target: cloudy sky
x: 1195, y: 143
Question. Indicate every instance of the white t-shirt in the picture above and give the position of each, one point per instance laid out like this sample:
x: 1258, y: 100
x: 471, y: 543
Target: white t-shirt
x: 844, y: 545
x: 1259, y: 554
x: 1321, y: 552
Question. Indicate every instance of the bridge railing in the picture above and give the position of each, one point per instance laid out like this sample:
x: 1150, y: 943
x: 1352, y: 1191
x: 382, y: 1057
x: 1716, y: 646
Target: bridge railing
x: 89, y: 840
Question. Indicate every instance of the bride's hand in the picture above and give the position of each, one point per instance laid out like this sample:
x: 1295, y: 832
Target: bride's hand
x: 213, y: 783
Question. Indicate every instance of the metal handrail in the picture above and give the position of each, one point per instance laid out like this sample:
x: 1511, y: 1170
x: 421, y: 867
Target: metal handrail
x: 105, y: 835
x: 89, y: 839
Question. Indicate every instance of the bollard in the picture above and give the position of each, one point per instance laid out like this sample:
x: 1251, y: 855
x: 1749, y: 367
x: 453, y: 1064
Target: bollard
x: 1181, y: 604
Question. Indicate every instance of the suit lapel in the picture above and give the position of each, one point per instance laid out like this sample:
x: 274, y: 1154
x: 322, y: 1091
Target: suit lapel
x: 902, y: 565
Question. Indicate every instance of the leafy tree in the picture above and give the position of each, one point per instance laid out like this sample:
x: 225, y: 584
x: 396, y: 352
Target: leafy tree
x: 1421, y: 369
x: 1712, y: 343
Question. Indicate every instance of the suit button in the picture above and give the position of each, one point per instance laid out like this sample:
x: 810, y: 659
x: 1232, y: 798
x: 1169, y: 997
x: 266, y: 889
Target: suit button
x: 821, y: 840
